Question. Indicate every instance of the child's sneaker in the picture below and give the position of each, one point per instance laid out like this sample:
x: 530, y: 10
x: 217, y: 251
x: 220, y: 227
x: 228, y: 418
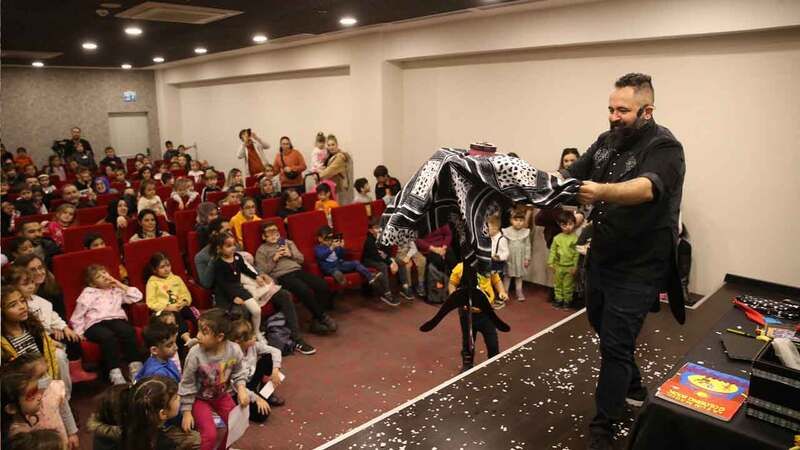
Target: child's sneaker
x: 389, y: 299
x: 375, y: 278
x: 304, y: 348
x: 116, y: 377
x: 499, y: 304
x: 421, y: 291
x: 340, y: 278
x: 406, y: 293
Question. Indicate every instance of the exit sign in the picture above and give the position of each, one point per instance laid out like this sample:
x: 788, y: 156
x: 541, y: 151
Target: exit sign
x: 129, y: 96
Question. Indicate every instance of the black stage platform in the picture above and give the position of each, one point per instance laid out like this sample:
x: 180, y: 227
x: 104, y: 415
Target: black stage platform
x: 538, y: 394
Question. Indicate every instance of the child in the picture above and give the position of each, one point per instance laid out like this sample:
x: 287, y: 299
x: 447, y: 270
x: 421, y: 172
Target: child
x: 234, y: 178
x: 22, y: 159
x: 23, y: 333
x: 167, y: 293
x: 195, y: 171
x: 480, y: 321
x: 162, y: 169
x: 380, y: 258
x: 168, y: 179
x: 9, y: 219
x: 54, y: 411
x: 62, y: 219
x: 212, y: 368
x: 44, y: 182
x: 99, y: 317
x: 106, y: 423
x: 22, y: 279
x: 230, y: 272
x: 362, y: 191
x: 160, y: 340
x: 111, y: 159
x: 324, y: 201
x: 24, y: 203
x: 257, y: 366
x: 519, y: 252
x: 119, y: 175
x: 47, y: 439
x: 563, y: 259
x: 210, y: 180
x: 386, y: 187
x: 330, y: 255
x: 149, y: 200
x: 152, y: 402
x: 499, y: 251
x: 183, y: 196
x: 319, y: 155
x: 84, y: 181
x: 55, y: 167
x: 269, y: 172
x: 410, y: 256
x: 146, y: 173
x: 246, y: 214
x: 103, y: 186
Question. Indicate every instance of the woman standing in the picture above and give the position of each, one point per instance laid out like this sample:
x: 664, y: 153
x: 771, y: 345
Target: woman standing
x: 252, y: 151
x: 338, y: 169
x: 291, y: 165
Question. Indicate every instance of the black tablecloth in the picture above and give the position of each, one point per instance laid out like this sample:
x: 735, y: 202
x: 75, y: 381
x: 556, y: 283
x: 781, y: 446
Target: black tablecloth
x: 664, y: 425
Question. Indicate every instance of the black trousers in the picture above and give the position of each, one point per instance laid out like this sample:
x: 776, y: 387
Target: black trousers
x: 112, y: 336
x: 480, y: 323
x: 444, y: 263
x: 181, y: 317
x: 312, y: 291
x: 616, y: 310
x: 263, y: 368
x: 282, y: 301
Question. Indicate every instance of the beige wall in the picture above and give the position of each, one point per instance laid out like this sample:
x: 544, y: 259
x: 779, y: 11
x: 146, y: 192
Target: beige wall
x: 42, y: 105
x: 535, y: 81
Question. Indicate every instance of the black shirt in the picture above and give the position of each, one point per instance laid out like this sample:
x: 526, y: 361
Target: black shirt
x: 69, y: 147
x: 635, y: 243
x: 392, y: 185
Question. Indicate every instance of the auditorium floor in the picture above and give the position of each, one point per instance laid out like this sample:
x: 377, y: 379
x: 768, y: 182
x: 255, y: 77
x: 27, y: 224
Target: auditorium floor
x: 375, y: 362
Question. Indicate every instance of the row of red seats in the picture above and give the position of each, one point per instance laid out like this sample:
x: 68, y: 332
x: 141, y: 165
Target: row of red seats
x: 69, y: 268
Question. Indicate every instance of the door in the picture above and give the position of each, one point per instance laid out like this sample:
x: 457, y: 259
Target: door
x: 129, y: 133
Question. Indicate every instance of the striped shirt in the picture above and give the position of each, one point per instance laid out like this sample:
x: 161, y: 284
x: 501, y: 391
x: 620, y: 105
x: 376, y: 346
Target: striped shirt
x: 24, y: 343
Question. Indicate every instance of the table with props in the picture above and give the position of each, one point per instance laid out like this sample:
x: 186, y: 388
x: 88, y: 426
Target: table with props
x: 666, y: 425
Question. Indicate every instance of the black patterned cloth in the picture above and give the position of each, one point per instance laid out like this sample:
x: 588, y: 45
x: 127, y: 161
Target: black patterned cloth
x: 463, y: 190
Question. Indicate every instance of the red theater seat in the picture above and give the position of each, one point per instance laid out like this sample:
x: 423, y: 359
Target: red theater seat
x: 73, y: 237
x: 164, y: 192
x: 34, y: 218
x: 90, y: 216
x: 351, y: 221
x: 378, y: 207
x: 215, y: 197
x: 184, y: 223
x: 251, y: 191
x: 251, y: 181
x: 105, y: 199
x: 309, y: 200
x: 303, y: 228
x: 270, y: 207
x: 228, y: 211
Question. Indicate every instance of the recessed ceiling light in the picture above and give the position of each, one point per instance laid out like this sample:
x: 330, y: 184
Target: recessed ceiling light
x: 126, y: 66
x: 259, y: 38
x: 37, y: 64
x: 158, y: 59
x: 89, y: 45
x: 200, y: 50
x: 133, y: 31
x: 348, y: 21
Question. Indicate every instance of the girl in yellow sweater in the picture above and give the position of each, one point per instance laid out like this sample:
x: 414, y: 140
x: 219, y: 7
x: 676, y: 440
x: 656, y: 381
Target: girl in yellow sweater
x: 168, y: 294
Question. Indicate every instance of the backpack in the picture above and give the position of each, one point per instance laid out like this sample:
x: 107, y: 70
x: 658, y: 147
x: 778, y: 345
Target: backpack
x: 278, y: 334
x: 436, y: 283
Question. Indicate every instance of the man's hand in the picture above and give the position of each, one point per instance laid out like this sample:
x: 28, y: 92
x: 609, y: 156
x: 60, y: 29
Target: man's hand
x: 591, y: 192
x: 187, y: 423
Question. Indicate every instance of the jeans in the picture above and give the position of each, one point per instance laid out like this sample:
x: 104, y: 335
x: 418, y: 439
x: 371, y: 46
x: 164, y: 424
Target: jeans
x: 111, y: 336
x: 311, y: 290
x: 351, y: 266
x: 480, y: 323
x: 204, y: 421
x: 616, y: 310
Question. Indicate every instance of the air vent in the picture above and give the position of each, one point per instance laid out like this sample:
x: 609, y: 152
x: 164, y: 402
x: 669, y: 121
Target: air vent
x: 169, y: 12
x: 23, y: 54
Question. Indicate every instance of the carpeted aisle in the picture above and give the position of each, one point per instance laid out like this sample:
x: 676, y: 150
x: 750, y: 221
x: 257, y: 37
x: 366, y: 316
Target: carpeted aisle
x: 376, y: 361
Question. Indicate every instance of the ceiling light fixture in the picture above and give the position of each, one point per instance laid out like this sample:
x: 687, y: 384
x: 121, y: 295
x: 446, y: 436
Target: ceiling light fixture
x: 126, y: 66
x: 348, y: 21
x: 89, y: 46
x: 259, y: 38
x: 200, y: 50
x: 158, y: 59
x: 37, y: 64
x: 133, y: 31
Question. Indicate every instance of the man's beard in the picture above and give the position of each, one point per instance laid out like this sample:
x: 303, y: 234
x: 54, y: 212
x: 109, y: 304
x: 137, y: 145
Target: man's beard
x: 622, y: 136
